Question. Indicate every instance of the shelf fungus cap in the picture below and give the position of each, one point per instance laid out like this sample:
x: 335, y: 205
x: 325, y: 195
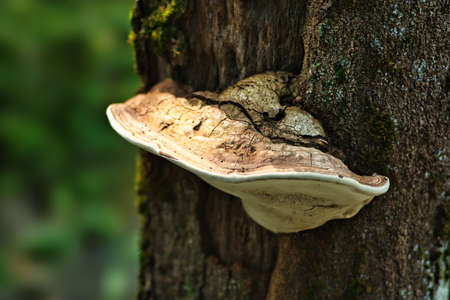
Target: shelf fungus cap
x: 283, y: 187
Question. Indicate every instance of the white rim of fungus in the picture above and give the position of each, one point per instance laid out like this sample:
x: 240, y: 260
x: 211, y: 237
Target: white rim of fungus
x: 237, y: 178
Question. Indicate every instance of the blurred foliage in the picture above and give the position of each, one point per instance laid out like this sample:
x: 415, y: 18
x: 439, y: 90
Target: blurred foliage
x: 68, y: 228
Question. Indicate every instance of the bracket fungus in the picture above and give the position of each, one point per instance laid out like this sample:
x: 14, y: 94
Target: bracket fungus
x: 245, y: 142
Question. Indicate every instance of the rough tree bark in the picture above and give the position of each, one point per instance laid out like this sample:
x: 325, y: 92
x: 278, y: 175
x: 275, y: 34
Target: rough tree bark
x: 376, y: 74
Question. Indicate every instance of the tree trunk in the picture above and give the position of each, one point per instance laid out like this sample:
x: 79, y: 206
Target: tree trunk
x: 376, y: 74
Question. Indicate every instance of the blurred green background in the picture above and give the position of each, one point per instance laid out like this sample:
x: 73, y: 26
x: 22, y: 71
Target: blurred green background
x: 68, y: 226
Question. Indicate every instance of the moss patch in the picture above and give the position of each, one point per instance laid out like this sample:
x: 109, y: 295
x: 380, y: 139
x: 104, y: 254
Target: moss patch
x: 347, y: 3
x: 131, y: 42
x: 323, y: 28
x: 313, y: 292
x: 142, y: 203
x: 141, y: 182
x: 339, y: 69
x: 326, y: 79
x: 443, y: 222
x: 188, y: 290
x: 381, y: 132
x: 358, y: 288
x: 389, y: 65
x: 355, y: 291
x: 161, y: 27
x: 323, y: 32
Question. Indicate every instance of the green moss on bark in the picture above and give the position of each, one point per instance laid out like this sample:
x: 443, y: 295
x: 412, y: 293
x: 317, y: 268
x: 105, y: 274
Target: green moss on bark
x: 141, y: 186
x: 131, y: 42
x: 443, y: 222
x: 381, y: 132
x: 161, y: 27
x: 142, y: 202
x: 348, y: 3
x: 358, y: 288
x: 313, y: 291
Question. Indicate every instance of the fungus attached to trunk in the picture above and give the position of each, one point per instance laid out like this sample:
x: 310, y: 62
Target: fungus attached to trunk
x: 285, y: 184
